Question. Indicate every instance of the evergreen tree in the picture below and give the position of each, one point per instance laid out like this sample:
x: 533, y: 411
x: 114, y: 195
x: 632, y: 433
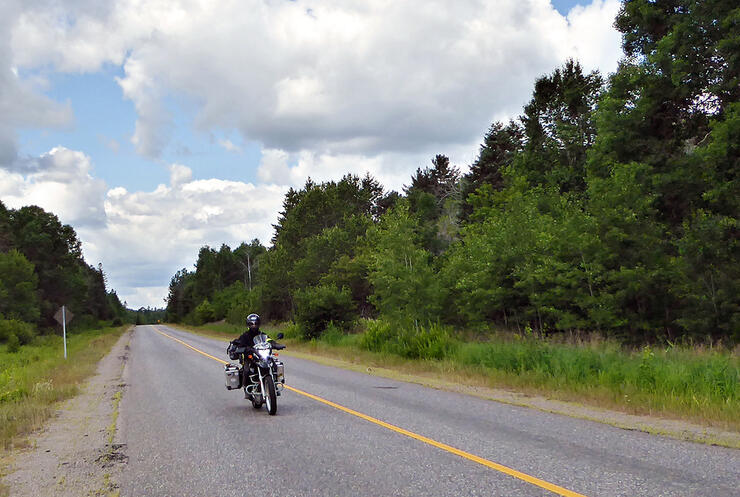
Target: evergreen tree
x: 500, y: 146
x: 18, y: 283
x: 559, y: 129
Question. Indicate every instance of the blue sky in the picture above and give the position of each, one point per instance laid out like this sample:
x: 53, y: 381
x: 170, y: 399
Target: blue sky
x: 154, y: 134
x: 564, y: 6
x: 104, y: 122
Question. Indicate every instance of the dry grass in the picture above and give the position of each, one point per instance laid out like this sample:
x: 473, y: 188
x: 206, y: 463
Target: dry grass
x: 37, y: 377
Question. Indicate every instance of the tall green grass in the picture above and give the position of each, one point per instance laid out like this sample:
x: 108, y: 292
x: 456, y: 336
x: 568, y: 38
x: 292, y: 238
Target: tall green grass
x: 701, y: 384
x: 36, y: 376
x: 697, y: 383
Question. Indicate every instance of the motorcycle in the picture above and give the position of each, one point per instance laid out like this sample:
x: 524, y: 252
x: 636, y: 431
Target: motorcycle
x: 261, y: 374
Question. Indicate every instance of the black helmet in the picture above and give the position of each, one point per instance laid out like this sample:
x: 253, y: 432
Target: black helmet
x: 253, y: 322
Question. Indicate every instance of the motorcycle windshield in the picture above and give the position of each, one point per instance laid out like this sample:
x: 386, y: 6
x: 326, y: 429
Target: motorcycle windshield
x: 260, y: 339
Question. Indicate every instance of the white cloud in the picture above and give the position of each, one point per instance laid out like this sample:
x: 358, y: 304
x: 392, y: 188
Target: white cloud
x: 336, y: 77
x: 591, y: 23
x: 393, y: 169
x: 228, y: 145
x: 180, y: 174
x: 142, y: 238
x: 151, y: 235
x: 21, y: 106
x: 58, y: 181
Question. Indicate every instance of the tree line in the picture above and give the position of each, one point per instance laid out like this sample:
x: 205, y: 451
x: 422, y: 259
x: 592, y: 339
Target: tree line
x: 610, y: 205
x: 41, y: 269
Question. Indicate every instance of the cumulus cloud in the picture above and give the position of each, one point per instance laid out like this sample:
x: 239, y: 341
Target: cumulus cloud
x: 392, y: 169
x: 590, y: 39
x: 228, y: 145
x: 335, y: 77
x: 21, y: 105
x: 180, y: 174
x: 58, y: 181
x: 143, y: 237
x: 150, y: 235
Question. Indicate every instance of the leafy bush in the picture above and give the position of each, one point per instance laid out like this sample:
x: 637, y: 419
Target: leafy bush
x: 13, y: 329
x: 378, y: 335
x: 335, y: 336
x: 431, y: 342
x: 82, y: 322
x: 204, y: 313
x: 223, y: 301
x: 292, y: 331
x: 14, y: 345
x: 18, y: 287
x: 415, y: 342
x: 318, y: 306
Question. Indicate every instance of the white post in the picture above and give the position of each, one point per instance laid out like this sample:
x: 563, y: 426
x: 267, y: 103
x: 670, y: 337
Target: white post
x: 64, y: 330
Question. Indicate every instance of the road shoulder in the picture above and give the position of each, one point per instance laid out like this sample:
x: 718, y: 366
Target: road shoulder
x: 75, y: 454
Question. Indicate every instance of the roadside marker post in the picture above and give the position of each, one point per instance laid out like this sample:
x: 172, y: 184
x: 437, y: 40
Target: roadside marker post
x: 63, y: 317
x: 64, y: 330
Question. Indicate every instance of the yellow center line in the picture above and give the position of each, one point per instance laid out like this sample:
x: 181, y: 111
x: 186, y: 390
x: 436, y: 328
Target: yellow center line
x: 472, y: 457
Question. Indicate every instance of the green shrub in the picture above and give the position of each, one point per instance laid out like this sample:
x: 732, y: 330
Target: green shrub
x: 333, y: 335
x: 237, y: 314
x: 292, y: 331
x: 426, y: 342
x: 23, y: 332
x: 318, y: 306
x: 14, y: 345
x: 223, y: 301
x: 81, y: 322
x: 409, y: 340
x: 117, y: 321
x: 204, y: 313
x: 379, y: 334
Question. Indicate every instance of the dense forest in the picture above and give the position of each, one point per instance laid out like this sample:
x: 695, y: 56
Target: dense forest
x: 610, y: 205
x: 41, y: 269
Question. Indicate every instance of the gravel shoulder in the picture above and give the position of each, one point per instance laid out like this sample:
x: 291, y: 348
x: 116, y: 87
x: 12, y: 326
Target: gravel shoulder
x: 76, y: 453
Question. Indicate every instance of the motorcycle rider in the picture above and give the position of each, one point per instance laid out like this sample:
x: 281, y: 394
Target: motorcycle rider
x: 246, y: 339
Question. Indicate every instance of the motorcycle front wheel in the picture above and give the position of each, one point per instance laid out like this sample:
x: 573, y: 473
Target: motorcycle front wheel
x: 270, y: 395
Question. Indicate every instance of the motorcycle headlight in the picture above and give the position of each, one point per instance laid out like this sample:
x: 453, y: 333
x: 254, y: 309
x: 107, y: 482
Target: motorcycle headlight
x: 264, y: 353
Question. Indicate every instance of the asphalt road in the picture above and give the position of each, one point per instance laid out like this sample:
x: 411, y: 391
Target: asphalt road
x: 186, y: 435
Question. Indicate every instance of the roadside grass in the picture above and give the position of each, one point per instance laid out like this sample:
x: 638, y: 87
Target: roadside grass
x: 36, y: 377
x: 697, y: 384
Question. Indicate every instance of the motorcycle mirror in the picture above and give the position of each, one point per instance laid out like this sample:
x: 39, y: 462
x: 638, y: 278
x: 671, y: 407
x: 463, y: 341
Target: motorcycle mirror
x: 280, y: 336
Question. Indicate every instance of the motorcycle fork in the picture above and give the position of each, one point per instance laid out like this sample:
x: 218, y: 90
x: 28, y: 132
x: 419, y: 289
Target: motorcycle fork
x: 262, y: 381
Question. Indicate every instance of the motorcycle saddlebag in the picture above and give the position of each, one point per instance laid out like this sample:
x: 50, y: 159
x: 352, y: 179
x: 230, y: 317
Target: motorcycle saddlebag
x: 233, y: 378
x: 231, y: 350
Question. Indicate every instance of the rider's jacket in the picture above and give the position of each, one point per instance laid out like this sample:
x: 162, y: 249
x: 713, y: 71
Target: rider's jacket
x: 246, y: 339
